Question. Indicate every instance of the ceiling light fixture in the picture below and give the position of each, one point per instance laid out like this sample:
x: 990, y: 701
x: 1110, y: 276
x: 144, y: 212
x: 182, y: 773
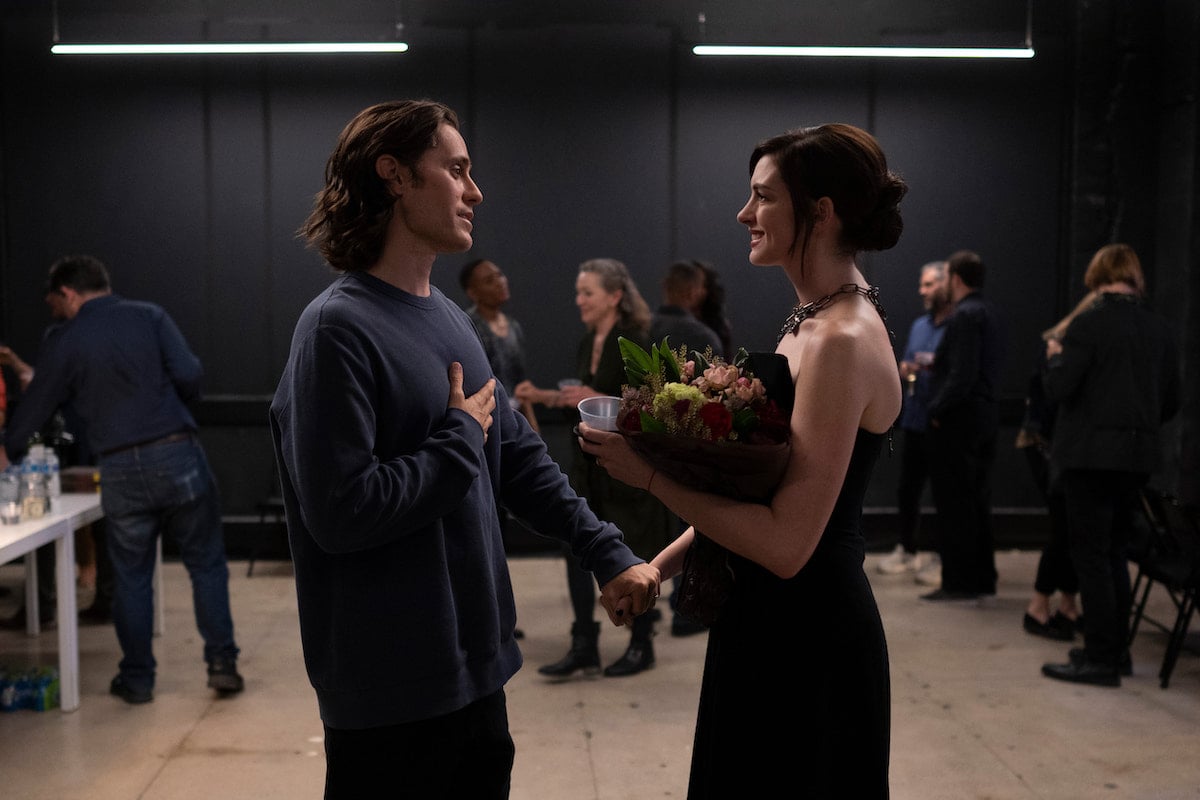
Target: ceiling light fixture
x: 868, y: 51
x: 227, y: 48
x: 862, y: 52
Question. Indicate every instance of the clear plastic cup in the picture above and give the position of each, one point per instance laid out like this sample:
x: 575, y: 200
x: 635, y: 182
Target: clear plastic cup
x: 600, y: 412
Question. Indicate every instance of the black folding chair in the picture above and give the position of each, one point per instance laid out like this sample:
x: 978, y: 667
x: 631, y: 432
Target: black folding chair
x: 1170, y: 557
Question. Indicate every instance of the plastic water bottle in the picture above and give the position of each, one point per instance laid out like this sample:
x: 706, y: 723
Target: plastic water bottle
x: 35, y: 459
x: 10, y: 495
x: 35, y: 502
x: 53, y: 476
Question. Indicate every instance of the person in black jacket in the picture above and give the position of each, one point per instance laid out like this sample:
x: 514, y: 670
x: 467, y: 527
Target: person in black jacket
x: 684, y: 287
x: 963, y: 424
x: 1115, y: 378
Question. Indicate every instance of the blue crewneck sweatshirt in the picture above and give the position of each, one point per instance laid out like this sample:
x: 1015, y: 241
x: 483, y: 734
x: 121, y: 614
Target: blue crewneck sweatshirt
x: 406, y: 607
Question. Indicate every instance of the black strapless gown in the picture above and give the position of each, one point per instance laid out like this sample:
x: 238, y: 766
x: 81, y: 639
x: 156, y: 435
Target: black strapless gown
x: 796, y: 698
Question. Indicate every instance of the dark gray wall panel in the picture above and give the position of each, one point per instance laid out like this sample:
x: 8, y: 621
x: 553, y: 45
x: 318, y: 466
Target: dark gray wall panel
x: 309, y: 101
x: 106, y: 159
x: 191, y: 176
x: 980, y: 147
x: 236, y: 333
x: 725, y: 109
x: 571, y: 145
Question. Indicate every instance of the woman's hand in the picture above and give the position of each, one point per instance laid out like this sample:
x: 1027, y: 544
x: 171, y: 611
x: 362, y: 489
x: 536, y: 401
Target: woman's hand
x: 526, y: 392
x: 569, y: 396
x: 615, y: 455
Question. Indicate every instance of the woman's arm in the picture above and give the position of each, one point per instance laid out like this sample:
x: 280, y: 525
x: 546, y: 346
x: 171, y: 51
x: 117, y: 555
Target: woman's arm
x: 670, y: 560
x: 24, y: 372
x: 828, y: 411
x: 529, y: 414
x: 528, y: 393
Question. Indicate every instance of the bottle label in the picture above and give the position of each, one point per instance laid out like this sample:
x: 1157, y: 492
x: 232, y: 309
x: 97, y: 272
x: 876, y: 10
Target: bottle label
x: 34, y: 507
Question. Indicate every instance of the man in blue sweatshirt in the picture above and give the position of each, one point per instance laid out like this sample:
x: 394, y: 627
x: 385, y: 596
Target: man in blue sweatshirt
x: 394, y: 442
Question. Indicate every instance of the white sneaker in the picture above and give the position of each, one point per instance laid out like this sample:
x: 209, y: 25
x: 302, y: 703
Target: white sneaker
x: 898, y: 561
x: 930, y: 573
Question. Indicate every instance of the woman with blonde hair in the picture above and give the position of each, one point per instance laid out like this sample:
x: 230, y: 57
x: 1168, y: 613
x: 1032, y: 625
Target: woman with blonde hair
x: 610, y: 306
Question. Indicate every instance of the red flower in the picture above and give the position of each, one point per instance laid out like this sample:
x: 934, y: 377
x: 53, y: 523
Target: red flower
x: 703, y: 398
x: 773, y: 424
x: 718, y: 419
x: 632, y: 421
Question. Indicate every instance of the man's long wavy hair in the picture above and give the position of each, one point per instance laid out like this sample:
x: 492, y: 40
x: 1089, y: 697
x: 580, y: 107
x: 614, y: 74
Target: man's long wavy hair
x: 350, y: 215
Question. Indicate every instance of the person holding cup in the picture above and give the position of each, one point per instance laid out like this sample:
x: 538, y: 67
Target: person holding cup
x: 916, y: 369
x: 610, y: 306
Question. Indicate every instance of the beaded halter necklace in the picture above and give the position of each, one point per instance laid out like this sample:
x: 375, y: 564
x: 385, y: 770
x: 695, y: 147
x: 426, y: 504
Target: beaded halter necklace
x: 803, y: 311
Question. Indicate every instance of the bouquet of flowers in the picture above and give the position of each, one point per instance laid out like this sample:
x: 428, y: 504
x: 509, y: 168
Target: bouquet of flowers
x: 718, y: 427
x: 702, y: 397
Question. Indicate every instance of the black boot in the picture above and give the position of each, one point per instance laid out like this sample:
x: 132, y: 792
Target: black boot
x: 584, y: 653
x: 640, y: 653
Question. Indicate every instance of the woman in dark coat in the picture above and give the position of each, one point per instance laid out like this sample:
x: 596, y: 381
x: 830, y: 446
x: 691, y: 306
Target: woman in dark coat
x: 1115, y: 380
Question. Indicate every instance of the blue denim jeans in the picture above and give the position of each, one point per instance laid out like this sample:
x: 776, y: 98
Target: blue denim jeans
x: 164, y: 489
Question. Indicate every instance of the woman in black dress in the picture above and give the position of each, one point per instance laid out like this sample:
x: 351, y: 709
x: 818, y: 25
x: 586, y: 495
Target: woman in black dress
x: 795, y: 696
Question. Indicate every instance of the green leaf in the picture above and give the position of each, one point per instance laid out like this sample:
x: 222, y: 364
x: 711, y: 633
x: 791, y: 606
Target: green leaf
x: 740, y: 357
x: 650, y: 424
x: 667, y: 362
x: 638, y: 363
x: 745, y: 420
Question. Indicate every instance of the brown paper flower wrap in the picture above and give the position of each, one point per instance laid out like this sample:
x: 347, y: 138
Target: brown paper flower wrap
x: 738, y: 451
x: 746, y: 472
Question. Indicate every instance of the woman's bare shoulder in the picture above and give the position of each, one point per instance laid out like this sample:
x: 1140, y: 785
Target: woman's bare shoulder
x: 854, y: 351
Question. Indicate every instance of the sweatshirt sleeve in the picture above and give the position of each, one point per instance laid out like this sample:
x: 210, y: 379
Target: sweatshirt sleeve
x: 535, y: 489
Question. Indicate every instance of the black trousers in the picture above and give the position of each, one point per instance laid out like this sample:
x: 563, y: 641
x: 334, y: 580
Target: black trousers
x: 963, y: 452
x: 466, y: 753
x: 914, y: 472
x: 1055, y: 570
x: 581, y: 588
x: 1100, y: 505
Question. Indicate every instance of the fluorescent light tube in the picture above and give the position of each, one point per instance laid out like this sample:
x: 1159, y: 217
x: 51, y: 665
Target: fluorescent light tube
x: 863, y: 52
x: 209, y: 48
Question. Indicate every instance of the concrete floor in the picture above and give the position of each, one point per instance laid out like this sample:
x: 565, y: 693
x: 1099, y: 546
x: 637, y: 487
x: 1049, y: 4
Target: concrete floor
x: 972, y: 716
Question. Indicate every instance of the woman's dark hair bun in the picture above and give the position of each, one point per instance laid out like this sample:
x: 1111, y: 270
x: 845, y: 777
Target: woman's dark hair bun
x: 881, y: 228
